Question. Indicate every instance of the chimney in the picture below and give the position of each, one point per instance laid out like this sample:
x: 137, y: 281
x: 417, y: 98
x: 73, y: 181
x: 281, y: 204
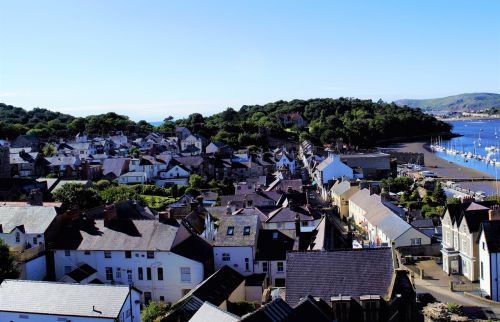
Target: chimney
x: 494, y: 213
x: 35, y: 197
x: 164, y: 215
x: 110, y: 214
x: 245, y: 201
x: 297, y: 225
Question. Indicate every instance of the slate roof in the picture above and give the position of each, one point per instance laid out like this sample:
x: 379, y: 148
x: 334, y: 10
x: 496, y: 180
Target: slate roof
x: 209, y: 312
x: 114, y: 167
x: 273, y: 245
x: 63, y: 299
x: 82, y: 272
x: 491, y: 230
x: 123, y: 234
x: 34, y: 219
x: 423, y: 223
x: 238, y: 222
x: 287, y: 214
x: 326, y: 274
x: 277, y: 310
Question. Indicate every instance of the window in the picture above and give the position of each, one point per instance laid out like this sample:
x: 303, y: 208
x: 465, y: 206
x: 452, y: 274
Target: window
x: 186, y: 274
x: 67, y: 253
x: 147, y: 297
x: 150, y: 254
x: 279, y: 225
x: 87, y: 252
x: 484, y: 247
x: 226, y: 257
x: 160, y: 273
x: 416, y: 241
x: 304, y: 223
x: 129, y: 275
x: 118, y: 273
x: 464, y: 245
x: 107, y: 254
x: 464, y: 267
x: 128, y: 254
x: 264, y: 266
x: 280, y: 266
x: 148, y: 273
x: 18, y: 237
x: 140, y: 273
x: 35, y: 241
x: 482, y: 276
x: 162, y: 298
x: 247, y: 266
x: 230, y: 230
x: 275, y: 235
x: 246, y: 230
x: 109, y: 273
x: 67, y: 270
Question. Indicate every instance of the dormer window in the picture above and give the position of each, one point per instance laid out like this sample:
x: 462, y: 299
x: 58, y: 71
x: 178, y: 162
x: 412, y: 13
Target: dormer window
x: 246, y: 230
x: 18, y: 237
x: 230, y: 230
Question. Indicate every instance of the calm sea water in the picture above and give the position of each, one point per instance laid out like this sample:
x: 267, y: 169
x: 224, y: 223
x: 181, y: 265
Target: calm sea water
x: 477, y: 135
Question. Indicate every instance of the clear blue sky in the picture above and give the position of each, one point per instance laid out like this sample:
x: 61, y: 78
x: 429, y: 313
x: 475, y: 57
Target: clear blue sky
x: 150, y: 59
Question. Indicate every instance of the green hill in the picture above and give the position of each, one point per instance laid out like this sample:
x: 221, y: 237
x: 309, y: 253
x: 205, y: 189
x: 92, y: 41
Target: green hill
x: 471, y: 102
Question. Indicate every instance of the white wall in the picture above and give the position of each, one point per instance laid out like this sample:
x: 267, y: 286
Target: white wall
x: 484, y: 257
x: 272, y: 270
x: 15, y: 317
x: 407, y: 236
x: 35, y: 269
x: 170, y: 287
x: 237, y: 262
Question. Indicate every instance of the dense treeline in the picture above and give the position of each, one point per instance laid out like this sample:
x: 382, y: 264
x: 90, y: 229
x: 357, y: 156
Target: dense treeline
x: 358, y: 122
x: 15, y: 121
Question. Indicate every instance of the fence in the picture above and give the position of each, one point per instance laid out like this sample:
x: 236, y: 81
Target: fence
x: 463, y: 287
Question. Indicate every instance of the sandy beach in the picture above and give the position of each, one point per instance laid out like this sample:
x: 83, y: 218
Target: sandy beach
x: 444, y: 168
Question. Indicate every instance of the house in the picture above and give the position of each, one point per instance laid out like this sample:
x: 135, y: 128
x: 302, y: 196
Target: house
x: 329, y: 169
x: 460, y: 229
x: 48, y: 301
x: 112, y: 168
x: 235, y: 242
x: 270, y: 258
x: 64, y: 166
x: 292, y: 119
x: 175, y: 173
x: 132, y: 251
x: 341, y: 192
x: 133, y: 177
x: 151, y: 166
x: 381, y: 221
x: 224, y: 286
x: 373, y: 165
x: 286, y: 161
x: 195, y: 141
x: 216, y: 147
x: 26, y: 163
x: 489, y: 257
x: 287, y: 217
x: 359, y: 285
x: 210, y: 312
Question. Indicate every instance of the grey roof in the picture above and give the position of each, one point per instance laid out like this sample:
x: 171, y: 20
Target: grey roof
x: 35, y: 219
x: 122, y: 234
x: 326, y: 274
x: 114, y: 166
x: 340, y: 188
x: 62, y: 299
x: 134, y: 174
x: 324, y: 164
x: 238, y: 222
x: 61, y: 183
x: 209, y: 312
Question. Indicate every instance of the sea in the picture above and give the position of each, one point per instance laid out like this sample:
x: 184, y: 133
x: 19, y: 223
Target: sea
x: 479, y: 137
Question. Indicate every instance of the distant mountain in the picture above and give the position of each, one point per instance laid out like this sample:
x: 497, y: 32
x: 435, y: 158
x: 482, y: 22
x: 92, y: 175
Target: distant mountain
x: 457, y: 103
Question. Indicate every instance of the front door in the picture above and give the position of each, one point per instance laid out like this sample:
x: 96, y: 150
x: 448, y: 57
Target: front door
x: 454, y: 266
x: 147, y: 297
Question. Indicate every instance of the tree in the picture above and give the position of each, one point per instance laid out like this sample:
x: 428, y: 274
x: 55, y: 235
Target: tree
x: 153, y: 311
x: 438, y: 195
x: 196, y: 181
x: 134, y: 151
x: 77, y: 195
x: 119, y: 193
x: 49, y: 150
x: 7, y: 263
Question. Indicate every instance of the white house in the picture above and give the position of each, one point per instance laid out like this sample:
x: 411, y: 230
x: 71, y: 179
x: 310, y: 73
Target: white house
x: 329, y: 169
x: 192, y: 141
x: 133, y: 177
x: 381, y: 224
x: 151, y: 166
x: 143, y: 253
x: 489, y: 258
x: 22, y: 301
x: 236, y: 242
x: 174, y: 174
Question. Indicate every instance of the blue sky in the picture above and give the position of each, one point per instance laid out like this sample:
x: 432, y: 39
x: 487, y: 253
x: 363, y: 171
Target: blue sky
x: 151, y: 59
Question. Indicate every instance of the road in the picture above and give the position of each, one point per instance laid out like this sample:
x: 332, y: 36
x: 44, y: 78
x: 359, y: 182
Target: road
x: 437, y: 283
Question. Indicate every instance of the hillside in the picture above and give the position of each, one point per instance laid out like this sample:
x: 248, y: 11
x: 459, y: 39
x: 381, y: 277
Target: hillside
x: 358, y: 122
x: 470, y: 102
